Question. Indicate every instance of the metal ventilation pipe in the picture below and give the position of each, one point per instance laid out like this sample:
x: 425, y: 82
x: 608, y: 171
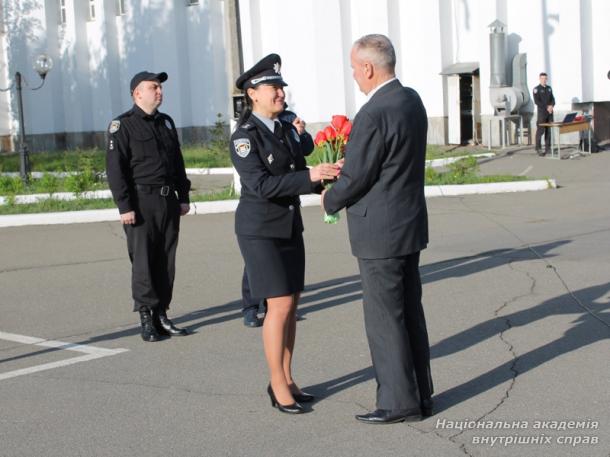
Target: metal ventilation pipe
x: 505, y: 99
x: 497, y: 54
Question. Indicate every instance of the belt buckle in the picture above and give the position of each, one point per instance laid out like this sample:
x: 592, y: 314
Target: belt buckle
x: 164, y: 191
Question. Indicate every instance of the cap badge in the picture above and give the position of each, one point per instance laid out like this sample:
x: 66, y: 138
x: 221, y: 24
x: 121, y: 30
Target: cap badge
x: 277, y: 67
x: 242, y: 147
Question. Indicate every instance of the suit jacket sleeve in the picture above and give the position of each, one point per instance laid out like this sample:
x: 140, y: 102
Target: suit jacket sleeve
x: 364, y: 154
x: 255, y: 176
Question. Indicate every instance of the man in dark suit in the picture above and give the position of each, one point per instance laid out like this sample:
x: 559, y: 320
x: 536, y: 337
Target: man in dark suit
x: 382, y: 186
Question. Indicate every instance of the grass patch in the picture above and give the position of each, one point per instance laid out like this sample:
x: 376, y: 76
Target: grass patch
x: 432, y: 152
x: 50, y: 184
x: 194, y: 157
x: 52, y: 205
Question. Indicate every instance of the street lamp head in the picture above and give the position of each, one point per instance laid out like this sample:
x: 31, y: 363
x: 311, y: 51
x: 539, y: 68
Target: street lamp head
x: 43, y: 65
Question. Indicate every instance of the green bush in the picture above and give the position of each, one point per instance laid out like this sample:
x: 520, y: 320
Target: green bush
x: 464, y: 168
x: 48, y: 183
x: 10, y: 185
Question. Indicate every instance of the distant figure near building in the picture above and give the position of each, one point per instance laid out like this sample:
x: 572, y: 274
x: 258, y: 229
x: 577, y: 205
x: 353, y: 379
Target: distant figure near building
x: 544, y: 100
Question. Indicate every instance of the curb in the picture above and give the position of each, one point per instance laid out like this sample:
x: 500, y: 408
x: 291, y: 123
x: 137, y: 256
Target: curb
x: 228, y: 206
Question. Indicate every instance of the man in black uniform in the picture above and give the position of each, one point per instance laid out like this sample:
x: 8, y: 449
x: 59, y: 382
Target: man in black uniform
x: 148, y: 181
x: 544, y: 100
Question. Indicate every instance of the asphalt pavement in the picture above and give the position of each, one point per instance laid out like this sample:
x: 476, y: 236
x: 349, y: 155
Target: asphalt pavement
x: 516, y: 294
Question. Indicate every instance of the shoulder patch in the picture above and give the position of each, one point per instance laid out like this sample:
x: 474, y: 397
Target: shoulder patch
x: 114, y: 126
x: 242, y: 147
x: 550, y: 90
x: 535, y: 90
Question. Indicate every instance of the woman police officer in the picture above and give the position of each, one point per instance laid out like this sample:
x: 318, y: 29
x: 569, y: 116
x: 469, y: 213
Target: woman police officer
x: 269, y: 159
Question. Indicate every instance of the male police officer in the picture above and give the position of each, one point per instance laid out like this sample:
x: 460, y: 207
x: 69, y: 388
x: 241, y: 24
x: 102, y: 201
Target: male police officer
x: 148, y: 182
x: 544, y: 100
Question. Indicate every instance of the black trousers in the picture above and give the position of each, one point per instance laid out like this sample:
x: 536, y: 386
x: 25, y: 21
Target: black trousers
x: 151, y: 244
x: 543, y: 118
x: 396, y: 330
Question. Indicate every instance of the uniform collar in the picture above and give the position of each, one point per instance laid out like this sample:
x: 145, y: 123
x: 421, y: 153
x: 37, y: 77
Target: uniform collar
x: 269, y: 123
x: 143, y: 114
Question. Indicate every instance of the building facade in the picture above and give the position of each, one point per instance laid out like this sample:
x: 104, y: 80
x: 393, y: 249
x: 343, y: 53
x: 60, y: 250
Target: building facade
x: 443, y: 51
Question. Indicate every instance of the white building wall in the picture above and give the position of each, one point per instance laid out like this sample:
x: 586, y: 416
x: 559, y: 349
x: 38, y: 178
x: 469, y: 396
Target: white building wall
x: 94, y: 60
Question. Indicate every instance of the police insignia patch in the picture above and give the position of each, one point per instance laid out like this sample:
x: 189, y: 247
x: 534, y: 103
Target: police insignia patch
x: 535, y: 90
x: 242, y: 147
x: 296, y: 136
x: 114, y: 126
x: 168, y: 124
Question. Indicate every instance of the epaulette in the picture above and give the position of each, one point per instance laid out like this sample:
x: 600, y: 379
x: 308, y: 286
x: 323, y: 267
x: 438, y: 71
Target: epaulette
x: 247, y: 126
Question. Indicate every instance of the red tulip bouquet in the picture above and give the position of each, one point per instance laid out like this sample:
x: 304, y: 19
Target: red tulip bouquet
x: 333, y: 139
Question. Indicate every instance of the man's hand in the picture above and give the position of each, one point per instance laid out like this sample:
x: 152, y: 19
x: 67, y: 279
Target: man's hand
x: 550, y: 109
x: 184, y: 208
x: 300, y: 125
x: 128, y: 218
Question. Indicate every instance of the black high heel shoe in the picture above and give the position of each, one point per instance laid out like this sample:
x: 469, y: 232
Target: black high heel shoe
x: 303, y: 397
x: 294, y: 408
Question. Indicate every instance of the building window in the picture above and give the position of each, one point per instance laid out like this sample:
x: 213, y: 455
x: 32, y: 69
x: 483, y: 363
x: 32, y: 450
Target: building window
x: 62, y: 11
x: 92, y: 10
x: 192, y: 2
x: 120, y: 7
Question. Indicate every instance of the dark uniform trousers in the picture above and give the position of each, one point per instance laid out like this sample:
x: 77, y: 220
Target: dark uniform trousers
x: 396, y: 330
x: 152, y: 243
x: 543, y: 117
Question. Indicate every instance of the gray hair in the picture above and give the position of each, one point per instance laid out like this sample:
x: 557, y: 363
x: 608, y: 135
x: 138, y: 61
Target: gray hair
x: 378, y: 49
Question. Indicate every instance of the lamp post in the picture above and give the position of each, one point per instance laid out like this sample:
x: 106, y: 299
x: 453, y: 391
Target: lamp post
x: 42, y: 65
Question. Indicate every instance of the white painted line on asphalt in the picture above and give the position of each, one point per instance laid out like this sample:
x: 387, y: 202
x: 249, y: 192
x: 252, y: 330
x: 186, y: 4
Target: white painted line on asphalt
x: 91, y: 353
x: 526, y: 171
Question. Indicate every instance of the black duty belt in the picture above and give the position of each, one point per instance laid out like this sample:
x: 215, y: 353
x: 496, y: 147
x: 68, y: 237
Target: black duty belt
x: 161, y: 190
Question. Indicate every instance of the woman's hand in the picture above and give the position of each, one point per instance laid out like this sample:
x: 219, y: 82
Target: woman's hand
x: 300, y: 125
x: 324, y: 171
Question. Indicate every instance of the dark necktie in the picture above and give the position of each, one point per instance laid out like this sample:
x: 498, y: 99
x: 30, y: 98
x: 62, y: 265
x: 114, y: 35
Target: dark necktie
x: 278, y: 131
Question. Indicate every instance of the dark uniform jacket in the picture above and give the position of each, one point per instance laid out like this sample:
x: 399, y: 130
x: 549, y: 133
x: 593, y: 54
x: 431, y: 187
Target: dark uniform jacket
x: 273, y: 175
x: 382, y: 180
x: 144, y: 149
x: 543, y: 97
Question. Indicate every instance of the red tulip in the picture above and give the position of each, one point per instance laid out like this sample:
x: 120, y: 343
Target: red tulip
x: 320, y: 138
x: 330, y: 132
x: 338, y: 121
x: 346, y: 129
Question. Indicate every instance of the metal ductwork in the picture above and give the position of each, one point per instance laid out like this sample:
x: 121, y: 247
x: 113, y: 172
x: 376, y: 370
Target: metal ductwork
x: 504, y: 98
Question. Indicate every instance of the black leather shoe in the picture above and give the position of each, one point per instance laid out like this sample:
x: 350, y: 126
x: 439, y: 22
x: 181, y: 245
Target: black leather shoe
x: 427, y: 407
x: 251, y: 319
x: 303, y: 397
x: 149, y: 332
x: 166, y: 326
x: 540, y: 153
x: 390, y: 416
x: 294, y: 408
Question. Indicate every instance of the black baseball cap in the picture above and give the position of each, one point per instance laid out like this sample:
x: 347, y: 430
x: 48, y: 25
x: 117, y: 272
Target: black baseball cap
x: 266, y: 71
x: 146, y: 76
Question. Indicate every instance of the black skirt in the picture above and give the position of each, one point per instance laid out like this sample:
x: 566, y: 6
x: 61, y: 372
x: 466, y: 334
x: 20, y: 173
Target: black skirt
x: 275, y: 266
